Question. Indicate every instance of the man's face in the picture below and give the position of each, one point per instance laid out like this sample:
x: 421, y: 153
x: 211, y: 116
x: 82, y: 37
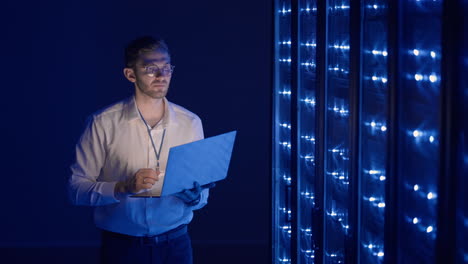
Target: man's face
x: 151, y: 75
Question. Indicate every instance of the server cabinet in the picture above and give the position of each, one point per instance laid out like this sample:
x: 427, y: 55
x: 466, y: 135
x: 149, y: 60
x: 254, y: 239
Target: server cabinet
x: 369, y: 164
x: 373, y: 134
x: 336, y: 140
x: 419, y: 85
x: 306, y: 104
x: 282, y: 135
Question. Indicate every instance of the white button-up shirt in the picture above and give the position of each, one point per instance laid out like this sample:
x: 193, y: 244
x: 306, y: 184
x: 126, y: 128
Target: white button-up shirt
x: 113, y: 147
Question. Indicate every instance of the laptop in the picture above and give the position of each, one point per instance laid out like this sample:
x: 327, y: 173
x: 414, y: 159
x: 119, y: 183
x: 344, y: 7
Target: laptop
x: 204, y: 161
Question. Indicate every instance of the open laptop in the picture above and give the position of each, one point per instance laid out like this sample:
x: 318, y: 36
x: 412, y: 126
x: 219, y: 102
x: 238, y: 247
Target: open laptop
x: 204, y: 161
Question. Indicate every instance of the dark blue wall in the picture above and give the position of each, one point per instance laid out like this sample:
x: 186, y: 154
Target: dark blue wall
x: 62, y: 60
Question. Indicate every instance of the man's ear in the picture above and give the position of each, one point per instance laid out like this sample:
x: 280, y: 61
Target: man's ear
x: 129, y: 74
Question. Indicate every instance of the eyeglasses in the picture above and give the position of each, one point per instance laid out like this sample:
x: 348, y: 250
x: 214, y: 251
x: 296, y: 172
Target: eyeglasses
x: 153, y: 69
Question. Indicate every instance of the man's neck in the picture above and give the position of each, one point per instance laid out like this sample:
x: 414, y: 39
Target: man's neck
x: 152, y: 109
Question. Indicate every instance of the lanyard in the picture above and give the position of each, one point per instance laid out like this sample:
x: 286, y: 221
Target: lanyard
x: 158, y: 153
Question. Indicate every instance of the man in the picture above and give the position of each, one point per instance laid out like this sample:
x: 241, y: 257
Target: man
x: 123, y: 151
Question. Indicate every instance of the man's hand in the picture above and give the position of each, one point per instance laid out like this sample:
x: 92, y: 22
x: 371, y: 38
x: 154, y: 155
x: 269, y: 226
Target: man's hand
x: 192, y: 196
x: 142, y: 180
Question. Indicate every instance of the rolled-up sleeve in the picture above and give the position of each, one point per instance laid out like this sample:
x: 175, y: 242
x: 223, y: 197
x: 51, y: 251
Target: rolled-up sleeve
x: 83, y: 186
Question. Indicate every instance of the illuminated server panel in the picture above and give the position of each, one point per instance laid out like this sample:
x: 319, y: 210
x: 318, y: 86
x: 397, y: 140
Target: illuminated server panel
x: 362, y: 101
x: 374, y: 133
x: 336, y: 139
x: 419, y: 130
x: 281, y: 226
x: 306, y: 106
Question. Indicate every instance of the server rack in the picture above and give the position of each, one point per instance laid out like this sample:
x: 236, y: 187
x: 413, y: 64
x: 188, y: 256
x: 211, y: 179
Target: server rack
x: 363, y: 119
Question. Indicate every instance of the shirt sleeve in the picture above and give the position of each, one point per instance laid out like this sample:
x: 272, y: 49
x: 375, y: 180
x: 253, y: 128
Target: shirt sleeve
x: 83, y: 186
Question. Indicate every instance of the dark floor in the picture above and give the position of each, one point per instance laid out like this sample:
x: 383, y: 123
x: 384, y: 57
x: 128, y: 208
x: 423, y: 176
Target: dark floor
x: 203, y: 254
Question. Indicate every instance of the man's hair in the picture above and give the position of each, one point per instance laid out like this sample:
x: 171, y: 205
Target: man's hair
x: 142, y: 45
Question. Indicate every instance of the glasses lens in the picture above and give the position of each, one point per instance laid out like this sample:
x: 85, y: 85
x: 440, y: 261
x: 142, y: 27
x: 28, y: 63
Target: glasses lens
x: 152, y: 70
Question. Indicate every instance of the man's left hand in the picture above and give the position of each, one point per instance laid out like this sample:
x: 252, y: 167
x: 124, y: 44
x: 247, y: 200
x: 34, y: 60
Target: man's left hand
x: 192, y: 196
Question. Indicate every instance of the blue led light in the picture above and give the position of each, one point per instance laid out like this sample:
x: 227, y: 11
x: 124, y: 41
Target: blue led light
x: 340, y: 47
x: 308, y: 64
x: 340, y: 110
x: 308, y: 195
x: 380, y: 52
x: 309, y: 101
x: 338, y: 69
x: 309, y: 138
x: 285, y: 125
x: 340, y: 7
x: 374, y: 7
x: 288, y: 60
x: 308, y: 9
x: 287, y: 179
x: 423, y: 53
x: 308, y: 44
x: 285, y: 11
x: 309, y: 158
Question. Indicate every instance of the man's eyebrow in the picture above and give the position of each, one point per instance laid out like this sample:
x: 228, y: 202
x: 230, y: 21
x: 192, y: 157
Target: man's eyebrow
x: 146, y: 62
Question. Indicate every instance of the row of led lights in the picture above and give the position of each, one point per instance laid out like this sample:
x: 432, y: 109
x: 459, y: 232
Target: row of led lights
x: 309, y: 197
x: 339, y: 110
x: 314, y: 9
x: 309, y: 101
x: 422, y: 135
x: 418, y: 223
x: 375, y: 202
x: 415, y: 52
x: 285, y: 10
x: 433, y: 77
x: 337, y: 257
x: 338, y: 69
x: 308, y: 158
x: 374, y: 78
x: 306, y: 44
x: 376, y: 125
x: 309, y: 64
x: 337, y: 218
x: 375, y: 7
x: 376, y: 174
x: 376, y: 250
x: 309, y: 253
x: 423, y: 53
x: 309, y: 138
x: 429, y: 195
x: 308, y: 9
x: 339, y: 176
x: 286, y: 211
x: 341, y: 153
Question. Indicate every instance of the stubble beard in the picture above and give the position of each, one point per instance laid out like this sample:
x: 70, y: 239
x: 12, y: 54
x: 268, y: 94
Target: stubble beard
x: 158, y: 94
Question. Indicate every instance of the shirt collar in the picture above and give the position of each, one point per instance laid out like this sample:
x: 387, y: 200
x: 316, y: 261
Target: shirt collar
x: 131, y: 112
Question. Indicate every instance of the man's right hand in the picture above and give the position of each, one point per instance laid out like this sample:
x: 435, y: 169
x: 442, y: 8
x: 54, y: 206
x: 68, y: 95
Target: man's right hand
x: 142, y: 180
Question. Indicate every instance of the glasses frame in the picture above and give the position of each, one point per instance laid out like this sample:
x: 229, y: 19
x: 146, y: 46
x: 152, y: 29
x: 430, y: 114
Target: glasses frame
x: 162, y: 70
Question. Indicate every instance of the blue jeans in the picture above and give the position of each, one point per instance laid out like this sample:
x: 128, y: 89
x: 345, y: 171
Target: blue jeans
x: 121, y: 250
